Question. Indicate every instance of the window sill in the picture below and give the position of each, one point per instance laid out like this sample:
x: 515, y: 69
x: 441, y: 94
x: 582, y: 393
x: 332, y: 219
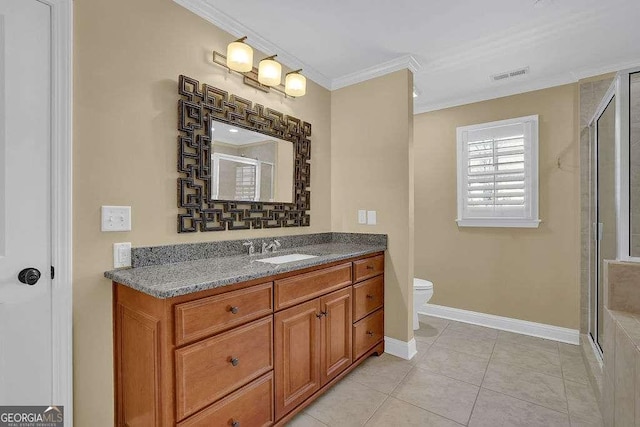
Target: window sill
x: 499, y: 223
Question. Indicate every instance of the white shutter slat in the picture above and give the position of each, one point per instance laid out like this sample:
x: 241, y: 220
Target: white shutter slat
x: 496, y: 180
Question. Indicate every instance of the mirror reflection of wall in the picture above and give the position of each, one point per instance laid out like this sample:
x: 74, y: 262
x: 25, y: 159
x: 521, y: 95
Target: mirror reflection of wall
x: 250, y: 166
x: 634, y: 163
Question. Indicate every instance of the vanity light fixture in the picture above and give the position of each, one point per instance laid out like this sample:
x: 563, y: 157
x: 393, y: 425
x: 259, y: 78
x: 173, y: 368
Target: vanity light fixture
x: 268, y: 75
x: 295, y: 84
x: 270, y: 71
x: 240, y: 56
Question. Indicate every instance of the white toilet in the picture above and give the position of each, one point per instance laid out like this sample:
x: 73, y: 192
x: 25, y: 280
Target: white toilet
x: 422, y: 293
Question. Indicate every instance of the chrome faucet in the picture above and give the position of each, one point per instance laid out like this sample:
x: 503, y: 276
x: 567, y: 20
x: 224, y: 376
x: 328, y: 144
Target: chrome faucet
x: 252, y: 249
x: 274, y: 245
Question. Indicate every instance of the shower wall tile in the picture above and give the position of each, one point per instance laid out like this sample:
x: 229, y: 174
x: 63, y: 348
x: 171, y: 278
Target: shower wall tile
x: 623, y: 284
x: 624, y: 380
x: 608, y: 344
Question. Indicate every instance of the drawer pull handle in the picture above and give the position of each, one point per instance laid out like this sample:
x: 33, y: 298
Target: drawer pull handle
x: 370, y: 333
x: 234, y: 361
x: 235, y: 423
x: 369, y: 267
x: 369, y: 296
x: 234, y: 310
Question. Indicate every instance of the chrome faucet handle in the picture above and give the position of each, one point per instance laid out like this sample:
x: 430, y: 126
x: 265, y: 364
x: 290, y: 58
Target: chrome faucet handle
x: 252, y: 249
x: 264, y: 247
x: 278, y: 244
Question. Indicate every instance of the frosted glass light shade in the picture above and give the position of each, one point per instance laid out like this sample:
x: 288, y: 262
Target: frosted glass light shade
x: 240, y: 57
x: 295, y: 84
x: 269, y: 72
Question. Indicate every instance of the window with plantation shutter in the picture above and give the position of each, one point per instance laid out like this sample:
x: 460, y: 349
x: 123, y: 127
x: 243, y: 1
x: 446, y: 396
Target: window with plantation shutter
x: 498, y: 174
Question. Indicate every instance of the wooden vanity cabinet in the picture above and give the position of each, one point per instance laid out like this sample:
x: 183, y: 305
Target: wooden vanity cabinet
x: 251, y: 354
x: 313, y: 345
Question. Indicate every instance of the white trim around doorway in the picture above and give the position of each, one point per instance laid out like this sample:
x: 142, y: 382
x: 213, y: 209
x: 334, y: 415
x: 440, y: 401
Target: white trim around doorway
x: 61, y: 202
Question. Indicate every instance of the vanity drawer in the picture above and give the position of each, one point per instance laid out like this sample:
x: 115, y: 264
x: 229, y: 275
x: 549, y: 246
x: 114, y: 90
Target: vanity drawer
x: 250, y: 406
x: 367, y: 333
x: 214, y: 367
x: 300, y: 288
x: 207, y: 316
x: 368, y: 267
x: 368, y: 296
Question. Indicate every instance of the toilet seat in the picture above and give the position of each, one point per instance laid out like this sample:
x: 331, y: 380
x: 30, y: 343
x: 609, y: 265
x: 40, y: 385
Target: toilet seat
x: 422, y: 284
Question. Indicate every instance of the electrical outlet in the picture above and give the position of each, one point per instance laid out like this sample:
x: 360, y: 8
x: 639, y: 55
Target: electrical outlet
x: 362, y: 216
x: 371, y: 218
x: 116, y: 218
x: 122, y: 255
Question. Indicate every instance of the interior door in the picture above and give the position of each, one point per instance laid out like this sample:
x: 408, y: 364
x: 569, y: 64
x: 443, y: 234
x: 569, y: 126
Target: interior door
x: 25, y: 238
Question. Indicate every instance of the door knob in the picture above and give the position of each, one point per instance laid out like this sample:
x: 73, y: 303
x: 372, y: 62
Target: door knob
x: 29, y: 276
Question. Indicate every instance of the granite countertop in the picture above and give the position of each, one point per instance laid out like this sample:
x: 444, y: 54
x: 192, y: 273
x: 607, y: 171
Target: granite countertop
x: 181, y: 278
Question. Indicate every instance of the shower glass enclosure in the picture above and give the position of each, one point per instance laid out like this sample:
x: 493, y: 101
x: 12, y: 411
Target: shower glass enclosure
x: 614, y: 134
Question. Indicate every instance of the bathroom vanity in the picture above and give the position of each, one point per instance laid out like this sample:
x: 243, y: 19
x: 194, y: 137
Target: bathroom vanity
x: 233, y: 341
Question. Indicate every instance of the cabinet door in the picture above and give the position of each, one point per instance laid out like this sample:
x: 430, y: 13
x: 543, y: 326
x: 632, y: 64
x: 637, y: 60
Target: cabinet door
x: 297, y: 355
x: 335, y: 333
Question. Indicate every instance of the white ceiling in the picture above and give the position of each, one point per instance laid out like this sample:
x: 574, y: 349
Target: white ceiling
x: 452, y: 46
x: 222, y: 132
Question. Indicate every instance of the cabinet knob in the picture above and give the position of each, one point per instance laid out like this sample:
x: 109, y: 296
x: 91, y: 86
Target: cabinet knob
x: 370, y: 333
x: 234, y: 361
x: 369, y: 267
x: 235, y: 423
x: 234, y: 310
x: 322, y: 313
x: 369, y: 296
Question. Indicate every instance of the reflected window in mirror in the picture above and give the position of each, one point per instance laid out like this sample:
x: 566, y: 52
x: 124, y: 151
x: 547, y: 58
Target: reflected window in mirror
x: 250, y: 166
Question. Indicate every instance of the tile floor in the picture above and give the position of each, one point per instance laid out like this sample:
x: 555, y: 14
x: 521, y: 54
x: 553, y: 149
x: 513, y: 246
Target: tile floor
x: 463, y: 375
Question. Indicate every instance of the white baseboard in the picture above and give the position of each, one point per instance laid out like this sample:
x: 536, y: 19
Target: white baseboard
x: 402, y: 349
x: 541, y: 330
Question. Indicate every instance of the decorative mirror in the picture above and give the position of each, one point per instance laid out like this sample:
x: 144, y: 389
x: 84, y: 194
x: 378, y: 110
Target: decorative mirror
x: 241, y: 166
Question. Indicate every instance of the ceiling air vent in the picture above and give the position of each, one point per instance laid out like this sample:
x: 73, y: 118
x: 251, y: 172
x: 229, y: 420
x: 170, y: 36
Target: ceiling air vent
x: 509, y: 74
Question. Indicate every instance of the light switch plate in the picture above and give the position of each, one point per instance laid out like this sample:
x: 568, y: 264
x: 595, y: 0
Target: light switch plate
x: 362, y: 216
x: 371, y: 218
x: 116, y: 218
x: 122, y: 255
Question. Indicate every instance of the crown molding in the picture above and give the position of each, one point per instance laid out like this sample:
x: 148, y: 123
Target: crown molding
x: 400, y: 63
x: 524, y: 86
x: 205, y: 10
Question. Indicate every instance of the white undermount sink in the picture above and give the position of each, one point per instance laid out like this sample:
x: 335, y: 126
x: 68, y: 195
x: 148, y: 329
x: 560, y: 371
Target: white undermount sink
x: 286, y: 258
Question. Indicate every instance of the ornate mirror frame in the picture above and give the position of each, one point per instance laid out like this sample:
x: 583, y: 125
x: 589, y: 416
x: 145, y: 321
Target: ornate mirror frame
x: 197, y: 109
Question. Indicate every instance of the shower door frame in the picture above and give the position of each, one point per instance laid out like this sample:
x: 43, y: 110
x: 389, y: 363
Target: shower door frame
x: 594, y: 224
x: 620, y: 90
x: 623, y: 160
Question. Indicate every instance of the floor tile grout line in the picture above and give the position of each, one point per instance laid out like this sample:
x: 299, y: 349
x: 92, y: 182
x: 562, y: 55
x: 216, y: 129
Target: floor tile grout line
x: 376, y: 410
x: 420, y: 407
x: 481, y: 382
x: 311, y: 416
x: 525, y: 401
x: 529, y: 369
x: 402, y: 380
x: 446, y: 376
x: 426, y: 410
